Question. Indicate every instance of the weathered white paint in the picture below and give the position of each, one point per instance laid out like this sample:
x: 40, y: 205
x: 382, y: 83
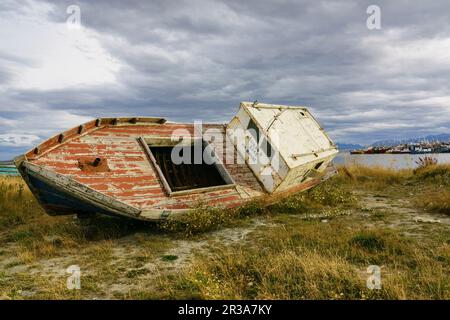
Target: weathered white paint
x: 293, y: 132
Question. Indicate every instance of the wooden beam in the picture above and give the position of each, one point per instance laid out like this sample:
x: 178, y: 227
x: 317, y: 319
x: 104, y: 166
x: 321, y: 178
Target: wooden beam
x: 149, y: 154
x: 202, y: 190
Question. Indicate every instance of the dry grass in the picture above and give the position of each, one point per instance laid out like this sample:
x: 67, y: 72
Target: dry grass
x: 435, y: 201
x: 203, y: 219
x: 310, y: 260
x: 293, y: 255
x: 306, y: 259
x: 17, y: 204
x: 431, y: 180
x: 435, y: 174
x: 372, y: 177
x: 378, y: 178
x: 37, y: 235
x: 35, y: 249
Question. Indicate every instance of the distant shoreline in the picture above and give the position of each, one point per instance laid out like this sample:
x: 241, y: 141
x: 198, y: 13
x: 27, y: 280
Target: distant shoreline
x: 386, y: 153
x: 8, y: 168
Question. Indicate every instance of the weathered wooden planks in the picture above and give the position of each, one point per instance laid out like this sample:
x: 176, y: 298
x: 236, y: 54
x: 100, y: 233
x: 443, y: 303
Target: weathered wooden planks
x: 80, y: 191
x: 131, y: 178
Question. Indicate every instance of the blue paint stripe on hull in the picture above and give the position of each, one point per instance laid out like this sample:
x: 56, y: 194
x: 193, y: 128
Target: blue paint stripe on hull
x: 56, y: 202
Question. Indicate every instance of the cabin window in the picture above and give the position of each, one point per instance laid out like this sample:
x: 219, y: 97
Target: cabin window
x: 317, y: 166
x: 187, y: 175
x: 264, y: 145
x: 254, y: 130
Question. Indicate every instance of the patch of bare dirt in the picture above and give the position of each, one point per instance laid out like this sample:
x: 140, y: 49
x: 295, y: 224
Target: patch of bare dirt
x: 400, y: 213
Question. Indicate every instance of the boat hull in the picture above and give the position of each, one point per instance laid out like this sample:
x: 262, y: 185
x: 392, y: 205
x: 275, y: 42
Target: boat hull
x: 62, y: 200
x: 124, y: 166
x: 57, y: 202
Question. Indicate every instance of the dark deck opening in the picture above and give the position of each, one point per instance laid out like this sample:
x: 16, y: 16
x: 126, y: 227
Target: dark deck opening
x: 186, y: 176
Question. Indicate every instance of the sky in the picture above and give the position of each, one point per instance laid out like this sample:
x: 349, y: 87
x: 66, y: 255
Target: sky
x: 196, y: 60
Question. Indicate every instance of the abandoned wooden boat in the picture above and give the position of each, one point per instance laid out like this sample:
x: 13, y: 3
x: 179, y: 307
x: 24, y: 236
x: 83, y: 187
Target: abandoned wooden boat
x: 131, y: 166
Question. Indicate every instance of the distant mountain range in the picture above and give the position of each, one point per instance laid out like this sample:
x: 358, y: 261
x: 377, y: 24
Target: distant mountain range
x: 349, y: 146
x: 444, y: 137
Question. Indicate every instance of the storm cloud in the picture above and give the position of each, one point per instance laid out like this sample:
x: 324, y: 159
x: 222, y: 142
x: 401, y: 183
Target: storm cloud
x: 187, y: 60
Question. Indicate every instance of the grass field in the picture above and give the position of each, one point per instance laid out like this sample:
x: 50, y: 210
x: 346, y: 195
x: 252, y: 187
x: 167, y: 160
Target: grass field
x: 313, y: 245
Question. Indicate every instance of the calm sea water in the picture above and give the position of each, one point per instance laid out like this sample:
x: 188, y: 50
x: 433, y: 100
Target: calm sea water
x: 394, y: 161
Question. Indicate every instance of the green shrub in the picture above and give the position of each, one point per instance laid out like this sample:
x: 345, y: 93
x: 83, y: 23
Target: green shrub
x: 368, y: 241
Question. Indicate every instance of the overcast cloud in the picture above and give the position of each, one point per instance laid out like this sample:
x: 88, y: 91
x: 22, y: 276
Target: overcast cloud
x: 187, y: 60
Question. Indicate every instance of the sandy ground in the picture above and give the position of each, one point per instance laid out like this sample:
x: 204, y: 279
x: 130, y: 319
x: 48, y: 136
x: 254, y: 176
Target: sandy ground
x: 403, y: 215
